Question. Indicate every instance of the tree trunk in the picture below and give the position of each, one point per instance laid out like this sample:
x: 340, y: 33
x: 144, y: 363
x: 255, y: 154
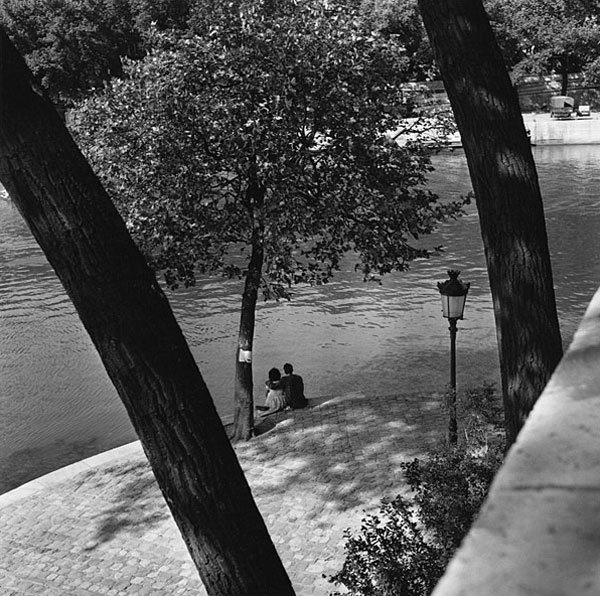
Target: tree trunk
x: 243, y: 418
x: 564, y: 76
x: 508, y: 198
x: 133, y: 328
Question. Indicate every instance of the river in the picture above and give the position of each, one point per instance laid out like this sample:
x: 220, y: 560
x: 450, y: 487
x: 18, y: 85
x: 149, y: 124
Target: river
x: 57, y: 404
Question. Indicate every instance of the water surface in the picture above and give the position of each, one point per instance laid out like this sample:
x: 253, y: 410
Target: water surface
x: 57, y: 404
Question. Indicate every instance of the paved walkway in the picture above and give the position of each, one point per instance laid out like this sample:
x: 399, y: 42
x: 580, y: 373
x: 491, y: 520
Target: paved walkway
x: 101, y: 526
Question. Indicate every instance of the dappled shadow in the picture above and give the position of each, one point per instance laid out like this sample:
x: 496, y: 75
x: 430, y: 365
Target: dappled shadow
x: 317, y: 471
x: 313, y: 473
x: 337, y: 455
x: 134, y: 502
x: 342, y: 452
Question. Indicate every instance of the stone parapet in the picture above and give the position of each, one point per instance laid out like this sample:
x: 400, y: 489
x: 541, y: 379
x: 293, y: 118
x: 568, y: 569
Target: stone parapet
x: 545, y: 130
x: 538, y: 532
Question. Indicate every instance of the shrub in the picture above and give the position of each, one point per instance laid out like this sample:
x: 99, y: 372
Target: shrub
x: 482, y: 416
x: 391, y: 555
x: 449, y: 487
x: 404, y: 548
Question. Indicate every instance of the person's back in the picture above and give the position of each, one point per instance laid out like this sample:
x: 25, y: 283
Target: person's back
x: 275, y: 399
x: 293, y: 387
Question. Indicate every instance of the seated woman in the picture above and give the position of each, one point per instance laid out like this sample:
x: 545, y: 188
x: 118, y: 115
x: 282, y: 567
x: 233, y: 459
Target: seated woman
x: 274, y: 399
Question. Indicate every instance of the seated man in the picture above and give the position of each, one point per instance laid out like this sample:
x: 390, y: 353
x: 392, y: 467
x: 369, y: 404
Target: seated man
x: 293, y: 388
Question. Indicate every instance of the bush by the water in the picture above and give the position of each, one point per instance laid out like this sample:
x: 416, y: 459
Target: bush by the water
x: 449, y: 487
x: 404, y: 548
x: 482, y: 416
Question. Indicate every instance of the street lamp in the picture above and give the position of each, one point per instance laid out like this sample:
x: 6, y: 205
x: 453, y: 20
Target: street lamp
x: 453, y: 293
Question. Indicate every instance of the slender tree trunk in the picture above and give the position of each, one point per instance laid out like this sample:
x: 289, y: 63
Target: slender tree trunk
x: 508, y: 197
x: 243, y: 422
x: 133, y: 328
x: 564, y: 77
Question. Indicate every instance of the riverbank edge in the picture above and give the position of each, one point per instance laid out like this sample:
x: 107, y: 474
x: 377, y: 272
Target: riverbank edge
x: 545, y: 130
x: 134, y: 448
x: 46, y: 481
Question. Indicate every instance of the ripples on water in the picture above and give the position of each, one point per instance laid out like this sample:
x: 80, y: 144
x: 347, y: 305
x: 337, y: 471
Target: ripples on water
x: 57, y: 405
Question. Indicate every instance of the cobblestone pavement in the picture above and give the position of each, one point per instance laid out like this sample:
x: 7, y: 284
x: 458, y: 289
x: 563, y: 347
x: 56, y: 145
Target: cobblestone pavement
x: 102, y: 527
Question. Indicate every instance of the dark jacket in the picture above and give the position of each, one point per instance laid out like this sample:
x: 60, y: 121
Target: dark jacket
x: 293, y: 389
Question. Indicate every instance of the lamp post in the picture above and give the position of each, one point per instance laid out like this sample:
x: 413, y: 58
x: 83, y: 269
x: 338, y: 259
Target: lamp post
x: 453, y: 293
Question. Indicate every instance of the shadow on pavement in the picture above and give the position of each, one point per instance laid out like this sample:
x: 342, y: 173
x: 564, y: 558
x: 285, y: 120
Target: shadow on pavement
x: 333, y: 456
x: 137, y: 503
x: 342, y: 452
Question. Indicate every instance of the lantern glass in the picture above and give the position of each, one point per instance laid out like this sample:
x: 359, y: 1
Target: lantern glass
x: 453, y: 307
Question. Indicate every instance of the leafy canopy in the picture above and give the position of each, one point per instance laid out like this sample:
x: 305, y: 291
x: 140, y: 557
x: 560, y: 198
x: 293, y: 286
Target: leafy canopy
x: 75, y: 45
x: 264, y: 125
x: 536, y: 37
x: 401, y: 19
x: 542, y: 36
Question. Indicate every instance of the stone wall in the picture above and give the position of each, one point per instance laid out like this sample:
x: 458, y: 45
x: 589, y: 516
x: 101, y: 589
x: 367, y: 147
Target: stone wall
x: 550, y: 131
x: 543, y: 130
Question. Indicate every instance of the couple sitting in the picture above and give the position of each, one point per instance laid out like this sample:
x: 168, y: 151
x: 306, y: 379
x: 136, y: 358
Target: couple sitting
x: 284, y: 392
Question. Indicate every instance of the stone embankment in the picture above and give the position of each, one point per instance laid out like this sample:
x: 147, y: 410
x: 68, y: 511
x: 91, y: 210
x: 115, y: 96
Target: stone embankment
x: 545, y: 130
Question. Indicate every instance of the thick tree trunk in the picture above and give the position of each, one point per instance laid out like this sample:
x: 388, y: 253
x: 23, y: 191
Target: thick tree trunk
x: 134, y: 330
x: 243, y: 422
x: 508, y: 197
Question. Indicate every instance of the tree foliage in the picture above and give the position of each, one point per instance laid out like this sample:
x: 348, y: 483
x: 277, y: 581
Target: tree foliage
x: 535, y: 37
x: 264, y: 130
x: 542, y: 37
x: 401, y: 19
x: 391, y: 554
x: 72, y: 46
x: 300, y: 106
